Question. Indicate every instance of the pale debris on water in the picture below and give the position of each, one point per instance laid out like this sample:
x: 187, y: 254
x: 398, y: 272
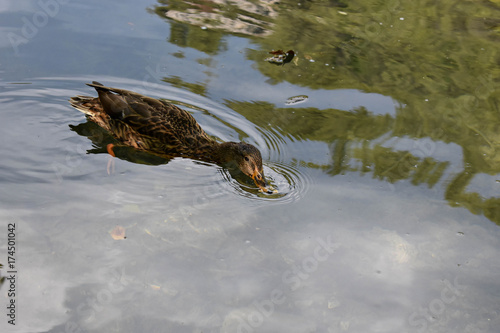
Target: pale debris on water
x: 118, y: 233
x: 296, y: 99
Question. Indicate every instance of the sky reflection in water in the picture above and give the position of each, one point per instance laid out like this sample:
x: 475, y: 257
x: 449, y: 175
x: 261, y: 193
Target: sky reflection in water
x: 392, y: 160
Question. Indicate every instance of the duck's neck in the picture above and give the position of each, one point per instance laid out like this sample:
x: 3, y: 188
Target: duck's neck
x: 222, y: 153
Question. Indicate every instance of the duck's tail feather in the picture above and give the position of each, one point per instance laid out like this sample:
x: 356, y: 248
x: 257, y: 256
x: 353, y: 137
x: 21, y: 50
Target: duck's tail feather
x: 83, y: 104
x: 98, y: 85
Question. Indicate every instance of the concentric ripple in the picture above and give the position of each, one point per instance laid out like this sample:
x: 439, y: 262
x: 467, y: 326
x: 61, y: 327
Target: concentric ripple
x: 287, y: 182
x: 290, y: 183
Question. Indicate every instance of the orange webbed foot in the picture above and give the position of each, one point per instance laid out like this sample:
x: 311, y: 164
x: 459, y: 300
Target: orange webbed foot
x: 110, y: 168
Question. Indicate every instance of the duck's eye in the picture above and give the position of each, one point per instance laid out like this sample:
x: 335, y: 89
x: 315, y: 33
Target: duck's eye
x: 259, y: 177
x: 247, y: 159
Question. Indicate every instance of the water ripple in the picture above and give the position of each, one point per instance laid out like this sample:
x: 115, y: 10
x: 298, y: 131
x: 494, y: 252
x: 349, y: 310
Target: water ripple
x: 289, y: 181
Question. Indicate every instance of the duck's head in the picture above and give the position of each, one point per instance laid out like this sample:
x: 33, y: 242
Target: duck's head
x: 248, y: 160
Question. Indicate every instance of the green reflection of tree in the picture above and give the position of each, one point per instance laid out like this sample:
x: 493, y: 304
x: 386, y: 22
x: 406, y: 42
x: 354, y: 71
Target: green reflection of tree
x: 356, y: 145
x: 185, y: 35
x: 200, y: 24
x: 176, y: 81
x: 440, y: 60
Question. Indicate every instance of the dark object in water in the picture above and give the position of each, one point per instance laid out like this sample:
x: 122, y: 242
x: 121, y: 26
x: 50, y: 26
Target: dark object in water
x: 280, y: 58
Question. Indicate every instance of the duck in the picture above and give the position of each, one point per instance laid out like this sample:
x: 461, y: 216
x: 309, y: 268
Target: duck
x: 161, y: 128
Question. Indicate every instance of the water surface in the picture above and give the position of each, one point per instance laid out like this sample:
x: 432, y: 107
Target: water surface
x: 388, y: 214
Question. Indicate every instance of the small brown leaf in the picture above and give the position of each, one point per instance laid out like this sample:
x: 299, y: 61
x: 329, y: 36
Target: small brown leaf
x: 118, y: 232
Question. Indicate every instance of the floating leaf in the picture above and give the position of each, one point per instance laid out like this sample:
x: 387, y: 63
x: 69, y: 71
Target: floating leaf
x: 280, y: 57
x: 296, y: 99
x: 118, y: 232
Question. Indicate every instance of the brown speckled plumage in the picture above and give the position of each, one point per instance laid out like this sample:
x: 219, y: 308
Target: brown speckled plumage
x: 164, y: 129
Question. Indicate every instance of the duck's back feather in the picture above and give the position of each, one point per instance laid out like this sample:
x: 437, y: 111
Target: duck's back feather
x: 143, y: 122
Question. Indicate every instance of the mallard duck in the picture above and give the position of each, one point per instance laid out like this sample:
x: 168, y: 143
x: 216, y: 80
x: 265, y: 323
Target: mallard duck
x: 161, y: 128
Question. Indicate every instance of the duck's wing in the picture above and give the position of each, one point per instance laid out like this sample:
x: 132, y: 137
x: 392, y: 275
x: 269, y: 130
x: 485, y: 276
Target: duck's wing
x: 149, y: 116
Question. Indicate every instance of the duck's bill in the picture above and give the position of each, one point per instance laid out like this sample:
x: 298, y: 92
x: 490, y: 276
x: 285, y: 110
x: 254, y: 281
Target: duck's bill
x: 260, y: 181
